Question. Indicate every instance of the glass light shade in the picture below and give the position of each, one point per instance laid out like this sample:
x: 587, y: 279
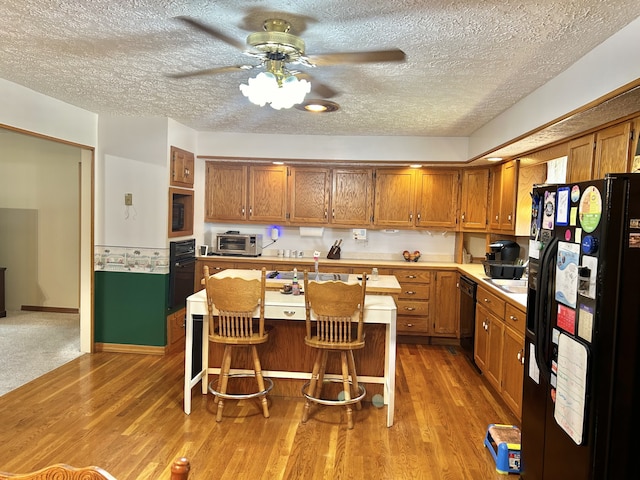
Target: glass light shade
x: 264, y: 89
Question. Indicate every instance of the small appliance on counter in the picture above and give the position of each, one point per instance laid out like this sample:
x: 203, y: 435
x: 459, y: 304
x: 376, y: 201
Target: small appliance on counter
x: 502, y: 261
x: 233, y: 242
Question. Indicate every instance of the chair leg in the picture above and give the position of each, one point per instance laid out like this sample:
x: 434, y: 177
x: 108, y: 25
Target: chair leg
x: 323, y: 369
x: 224, y: 379
x: 312, y: 386
x: 258, y: 369
x: 354, y: 378
x: 346, y: 387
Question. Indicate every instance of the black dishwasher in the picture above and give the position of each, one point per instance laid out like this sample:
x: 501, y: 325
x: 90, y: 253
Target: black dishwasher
x: 467, y: 315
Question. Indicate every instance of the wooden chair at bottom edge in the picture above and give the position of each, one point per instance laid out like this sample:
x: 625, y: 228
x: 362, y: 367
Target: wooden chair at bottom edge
x: 179, y: 471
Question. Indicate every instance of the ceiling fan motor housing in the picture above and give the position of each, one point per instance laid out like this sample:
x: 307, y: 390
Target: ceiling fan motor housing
x: 276, y: 40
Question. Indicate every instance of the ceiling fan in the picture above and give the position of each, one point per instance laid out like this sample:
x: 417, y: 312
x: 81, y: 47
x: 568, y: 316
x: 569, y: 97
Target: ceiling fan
x: 277, y: 49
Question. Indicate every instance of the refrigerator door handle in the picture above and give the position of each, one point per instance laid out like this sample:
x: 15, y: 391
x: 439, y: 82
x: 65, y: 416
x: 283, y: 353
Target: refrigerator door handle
x: 543, y: 309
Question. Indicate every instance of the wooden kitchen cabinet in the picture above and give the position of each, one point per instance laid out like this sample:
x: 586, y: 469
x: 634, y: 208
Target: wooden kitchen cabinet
x: 503, y: 197
x: 474, y: 199
x: 605, y: 151
x: 499, y: 346
x: 445, y: 321
x: 214, y: 265
x: 437, y: 198
x: 513, y: 369
x: 413, y: 301
x: 612, y: 153
x: 240, y: 193
x: 352, y: 197
x: 182, y: 168
x: 580, y: 159
x: 309, y: 191
x: 176, y: 323
x: 395, y: 197
x: 225, y: 192
x: 339, y: 196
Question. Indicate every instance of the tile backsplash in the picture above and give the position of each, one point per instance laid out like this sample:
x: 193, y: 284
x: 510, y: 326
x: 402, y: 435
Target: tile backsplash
x: 131, y: 259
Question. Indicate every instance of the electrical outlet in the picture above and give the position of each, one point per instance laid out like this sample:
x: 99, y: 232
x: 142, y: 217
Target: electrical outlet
x: 128, y: 199
x: 359, y: 233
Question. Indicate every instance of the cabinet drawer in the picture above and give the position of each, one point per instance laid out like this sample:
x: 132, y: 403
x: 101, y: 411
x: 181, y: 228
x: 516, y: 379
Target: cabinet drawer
x: 409, y: 307
x: 408, y: 324
x: 410, y: 275
x: 415, y: 291
x: 491, y: 302
x: 515, y: 318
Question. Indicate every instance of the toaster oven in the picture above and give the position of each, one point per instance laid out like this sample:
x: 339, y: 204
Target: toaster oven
x: 239, y: 244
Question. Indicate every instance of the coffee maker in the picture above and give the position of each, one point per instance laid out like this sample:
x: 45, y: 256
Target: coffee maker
x: 504, y: 251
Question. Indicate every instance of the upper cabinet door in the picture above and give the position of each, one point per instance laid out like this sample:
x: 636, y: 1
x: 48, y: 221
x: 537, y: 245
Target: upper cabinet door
x: 182, y: 165
x: 225, y: 192
x: 352, y: 196
x: 475, y: 196
x: 395, y: 191
x: 580, y: 159
x: 437, y: 198
x: 612, y: 150
x: 509, y: 195
x: 496, y: 195
x: 309, y: 195
x: 267, y: 193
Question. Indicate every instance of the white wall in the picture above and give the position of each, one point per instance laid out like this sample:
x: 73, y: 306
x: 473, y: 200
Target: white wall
x: 132, y: 157
x: 409, y: 149
x: 39, y: 194
x: 384, y: 245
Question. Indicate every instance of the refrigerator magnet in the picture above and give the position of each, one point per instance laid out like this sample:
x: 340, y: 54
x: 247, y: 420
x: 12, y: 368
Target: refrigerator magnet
x: 562, y: 206
x: 549, y: 210
x: 590, y: 209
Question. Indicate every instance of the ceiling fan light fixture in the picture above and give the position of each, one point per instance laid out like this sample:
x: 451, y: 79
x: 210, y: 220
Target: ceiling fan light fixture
x: 265, y: 88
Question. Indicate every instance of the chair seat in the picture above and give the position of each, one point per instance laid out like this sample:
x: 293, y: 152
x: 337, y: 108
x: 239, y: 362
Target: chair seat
x: 254, y: 339
x: 314, y: 342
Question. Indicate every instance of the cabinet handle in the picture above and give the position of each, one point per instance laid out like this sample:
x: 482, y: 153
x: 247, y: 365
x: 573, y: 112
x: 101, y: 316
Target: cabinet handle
x: 409, y: 309
x: 418, y: 217
x: 411, y: 216
x: 186, y: 172
x: 486, y: 300
x: 410, y: 276
x: 514, y: 318
x: 520, y: 356
x: 463, y: 214
x: 509, y: 217
x: 325, y: 213
x: 333, y: 212
x: 250, y: 211
x: 409, y: 292
x: 409, y: 324
x: 289, y: 313
x: 497, y: 217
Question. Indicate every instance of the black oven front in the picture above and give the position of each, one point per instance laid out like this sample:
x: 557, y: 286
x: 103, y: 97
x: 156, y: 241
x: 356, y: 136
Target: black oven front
x: 182, y: 270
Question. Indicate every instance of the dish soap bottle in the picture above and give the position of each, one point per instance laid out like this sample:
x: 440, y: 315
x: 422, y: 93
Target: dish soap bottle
x: 295, y: 287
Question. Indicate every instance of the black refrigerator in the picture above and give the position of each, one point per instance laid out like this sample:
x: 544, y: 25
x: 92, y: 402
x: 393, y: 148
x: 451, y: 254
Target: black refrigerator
x: 581, y: 383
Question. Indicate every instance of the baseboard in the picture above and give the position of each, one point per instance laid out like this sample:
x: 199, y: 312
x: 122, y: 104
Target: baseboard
x: 36, y: 308
x: 128, y: 348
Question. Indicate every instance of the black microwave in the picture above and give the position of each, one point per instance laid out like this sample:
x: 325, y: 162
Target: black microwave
x: 177, y: 217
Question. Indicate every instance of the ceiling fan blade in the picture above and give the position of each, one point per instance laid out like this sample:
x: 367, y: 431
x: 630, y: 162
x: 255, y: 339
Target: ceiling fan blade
x: 211, y: 71
x: 322, y: 90
x: 213, y: 32
x: 394, y: 55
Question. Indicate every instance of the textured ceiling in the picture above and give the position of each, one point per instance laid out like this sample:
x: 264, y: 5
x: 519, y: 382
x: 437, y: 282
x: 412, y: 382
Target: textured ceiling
x: 467, y: 61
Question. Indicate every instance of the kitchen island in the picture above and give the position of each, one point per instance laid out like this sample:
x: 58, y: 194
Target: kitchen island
x: 285, y: 357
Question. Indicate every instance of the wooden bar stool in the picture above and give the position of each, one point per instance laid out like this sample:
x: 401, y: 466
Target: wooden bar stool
x: 236, y: 300
x: 334, y: 321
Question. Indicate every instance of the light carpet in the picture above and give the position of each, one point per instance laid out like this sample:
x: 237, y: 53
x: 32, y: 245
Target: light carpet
x: 34, y: 343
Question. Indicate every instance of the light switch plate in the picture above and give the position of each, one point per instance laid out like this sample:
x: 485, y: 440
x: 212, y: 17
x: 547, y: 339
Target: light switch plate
x: 128, y: 199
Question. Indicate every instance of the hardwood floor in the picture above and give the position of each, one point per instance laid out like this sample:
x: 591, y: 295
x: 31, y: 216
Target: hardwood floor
x: 123, y: 412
